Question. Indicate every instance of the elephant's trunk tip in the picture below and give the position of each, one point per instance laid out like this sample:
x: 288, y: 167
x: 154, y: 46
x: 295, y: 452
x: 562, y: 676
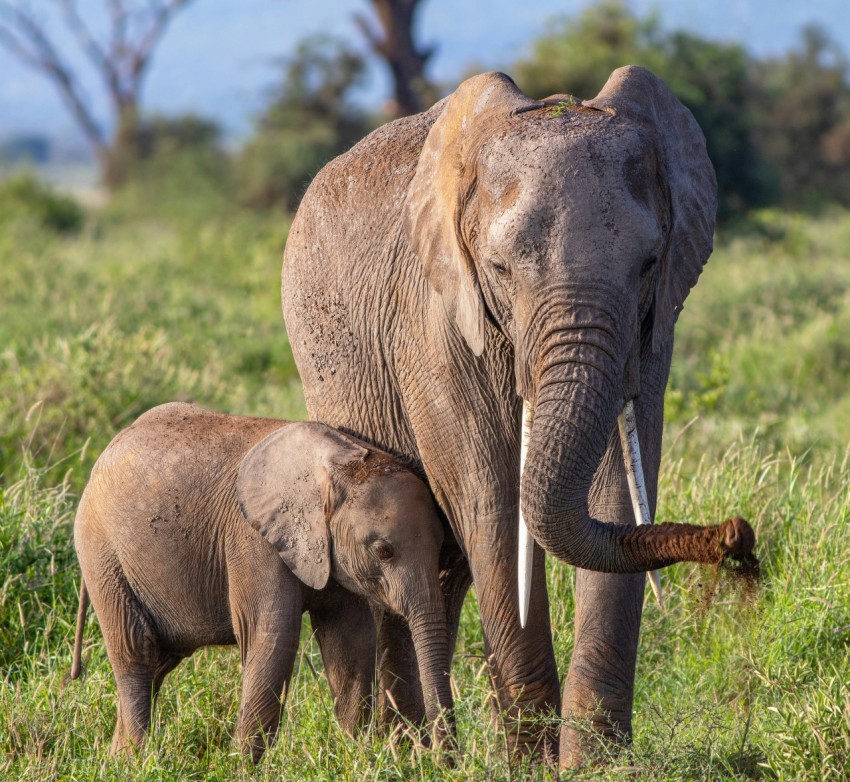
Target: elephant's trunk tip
x: 738, y: 539
x: 663, y: 544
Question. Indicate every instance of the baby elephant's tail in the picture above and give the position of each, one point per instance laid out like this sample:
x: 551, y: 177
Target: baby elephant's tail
x: 77, y: 664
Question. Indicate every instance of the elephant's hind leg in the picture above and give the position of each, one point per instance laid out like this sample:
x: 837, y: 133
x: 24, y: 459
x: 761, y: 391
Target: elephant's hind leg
x: 138, y: 686
x: 138, y: 657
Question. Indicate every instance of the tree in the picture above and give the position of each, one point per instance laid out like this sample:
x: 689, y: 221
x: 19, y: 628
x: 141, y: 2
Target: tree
x: 405, y: 59
x: 715, y: 81
x: 803, y: 119
x: 309, y: 119
x: 121, y: 62
x: 577, y: 55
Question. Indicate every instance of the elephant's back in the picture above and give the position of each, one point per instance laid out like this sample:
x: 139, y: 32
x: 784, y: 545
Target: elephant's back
x: 350, y: 216
x: 365, y: 183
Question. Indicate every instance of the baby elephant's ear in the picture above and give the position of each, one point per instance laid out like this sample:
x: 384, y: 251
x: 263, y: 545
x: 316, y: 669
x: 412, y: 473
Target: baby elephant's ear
x: 285, y: 493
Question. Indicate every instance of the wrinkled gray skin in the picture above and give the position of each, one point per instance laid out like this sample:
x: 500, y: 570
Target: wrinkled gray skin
x: 198, y: 528
x: 485, y: 251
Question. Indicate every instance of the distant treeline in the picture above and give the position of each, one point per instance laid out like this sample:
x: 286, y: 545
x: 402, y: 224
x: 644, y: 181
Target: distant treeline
x: 778, y: 128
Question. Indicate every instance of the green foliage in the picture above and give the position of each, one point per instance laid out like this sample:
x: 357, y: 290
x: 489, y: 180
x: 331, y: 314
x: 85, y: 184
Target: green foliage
x: 801, y: 116
x: 715, y: 81
x: 57, y: 394
x: 577, y: 55
x: 24, y: 198
x: 309, y: 120
x: 763, y: 344
x: 39, y: 569
x: 131, y: 314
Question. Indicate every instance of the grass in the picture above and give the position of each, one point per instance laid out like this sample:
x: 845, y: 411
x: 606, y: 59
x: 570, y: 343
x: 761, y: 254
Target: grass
x: 134, y: 310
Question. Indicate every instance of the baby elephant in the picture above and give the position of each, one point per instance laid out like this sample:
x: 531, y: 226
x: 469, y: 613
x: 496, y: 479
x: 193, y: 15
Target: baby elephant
x: 198, y: 528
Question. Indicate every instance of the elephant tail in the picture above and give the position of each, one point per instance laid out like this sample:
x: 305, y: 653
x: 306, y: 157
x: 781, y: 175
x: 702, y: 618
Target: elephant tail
x: 77, y: 664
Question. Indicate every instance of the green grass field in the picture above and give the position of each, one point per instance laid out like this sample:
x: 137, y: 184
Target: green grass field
x: 96, y: 327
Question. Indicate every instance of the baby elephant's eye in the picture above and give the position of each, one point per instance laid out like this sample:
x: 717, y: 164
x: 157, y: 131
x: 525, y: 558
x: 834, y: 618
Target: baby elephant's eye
x: 383, y: 550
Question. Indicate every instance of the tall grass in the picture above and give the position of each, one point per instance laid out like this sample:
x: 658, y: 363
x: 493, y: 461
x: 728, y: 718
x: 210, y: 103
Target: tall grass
x: 98, y: 326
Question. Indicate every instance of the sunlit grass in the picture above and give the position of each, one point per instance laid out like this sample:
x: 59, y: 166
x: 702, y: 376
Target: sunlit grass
x: 730, y: 684
x: 95, y: 328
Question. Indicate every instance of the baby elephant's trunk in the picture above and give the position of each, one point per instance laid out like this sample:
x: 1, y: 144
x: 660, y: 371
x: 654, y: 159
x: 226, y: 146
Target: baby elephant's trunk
x: 77, y: 664
x: 430, y: 641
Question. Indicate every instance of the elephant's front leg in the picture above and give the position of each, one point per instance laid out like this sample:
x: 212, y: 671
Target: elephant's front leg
x: 266, y: 601
x: 345, y: 631
x: 521, y: 660
x: 400, y: 699
x: 599, y: 688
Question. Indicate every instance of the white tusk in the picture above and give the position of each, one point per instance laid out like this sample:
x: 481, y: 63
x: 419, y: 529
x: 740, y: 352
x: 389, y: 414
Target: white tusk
x: 637, y: 485
x: 526, y: 542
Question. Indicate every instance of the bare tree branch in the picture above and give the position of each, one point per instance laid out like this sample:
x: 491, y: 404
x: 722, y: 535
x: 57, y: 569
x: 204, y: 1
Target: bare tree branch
x: 91, y: 47
x: 159, y: 23
x: 121, y: 60
x: 40, y: 53
x: 119, y: 16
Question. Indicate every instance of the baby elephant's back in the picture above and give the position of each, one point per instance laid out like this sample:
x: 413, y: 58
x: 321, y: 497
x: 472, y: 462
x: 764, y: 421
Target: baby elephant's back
x: 161, y: 509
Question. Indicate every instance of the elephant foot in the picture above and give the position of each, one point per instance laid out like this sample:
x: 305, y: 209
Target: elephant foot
x: 593, y: 744
x: 530, y: 734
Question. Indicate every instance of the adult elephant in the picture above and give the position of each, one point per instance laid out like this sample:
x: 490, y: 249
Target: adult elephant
x: 494, y: 249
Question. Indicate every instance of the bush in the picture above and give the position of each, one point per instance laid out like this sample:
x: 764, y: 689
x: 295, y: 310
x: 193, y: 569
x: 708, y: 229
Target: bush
x: 180, y: 170
x: 24, y: 197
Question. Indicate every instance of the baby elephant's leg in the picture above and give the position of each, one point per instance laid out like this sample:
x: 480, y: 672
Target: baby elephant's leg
x: 139, y: 661
x: 268, y: 656
x: 345, y: 630
x: 267, y: 623
x: 138, y: 685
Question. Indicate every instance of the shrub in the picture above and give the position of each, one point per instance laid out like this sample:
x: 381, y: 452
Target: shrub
x: 24, y: 197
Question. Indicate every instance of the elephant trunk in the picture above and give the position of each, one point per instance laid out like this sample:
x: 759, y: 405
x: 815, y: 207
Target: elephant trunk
x: 430, y: 641
x: 578, y: 399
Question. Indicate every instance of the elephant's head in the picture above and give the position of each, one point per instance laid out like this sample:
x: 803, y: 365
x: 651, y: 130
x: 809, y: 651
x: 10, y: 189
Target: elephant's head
x: 333, y: 506
x: 576, y: 230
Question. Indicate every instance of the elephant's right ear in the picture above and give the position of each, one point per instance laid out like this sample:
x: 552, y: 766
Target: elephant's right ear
x: 286, y: 490
x: 435, y: 198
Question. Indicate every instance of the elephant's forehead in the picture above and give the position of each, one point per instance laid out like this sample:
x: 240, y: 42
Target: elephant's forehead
x: 584, y: 189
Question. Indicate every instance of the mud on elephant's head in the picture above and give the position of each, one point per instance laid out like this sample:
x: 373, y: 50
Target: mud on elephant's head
x: 577, y: 230
x: 333, y: 506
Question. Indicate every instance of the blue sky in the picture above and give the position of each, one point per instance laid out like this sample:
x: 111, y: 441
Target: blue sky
x: 218, y: 58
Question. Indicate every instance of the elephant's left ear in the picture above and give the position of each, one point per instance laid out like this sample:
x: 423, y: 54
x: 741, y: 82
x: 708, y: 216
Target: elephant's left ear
x: 285, y: 490
x: 642, y: 97
x: 437, y: 193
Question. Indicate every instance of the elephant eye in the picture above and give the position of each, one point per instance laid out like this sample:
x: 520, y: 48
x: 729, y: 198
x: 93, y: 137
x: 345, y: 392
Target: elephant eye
x: 648, y: 265
x: 500, y: 267
x: 383, y: 550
